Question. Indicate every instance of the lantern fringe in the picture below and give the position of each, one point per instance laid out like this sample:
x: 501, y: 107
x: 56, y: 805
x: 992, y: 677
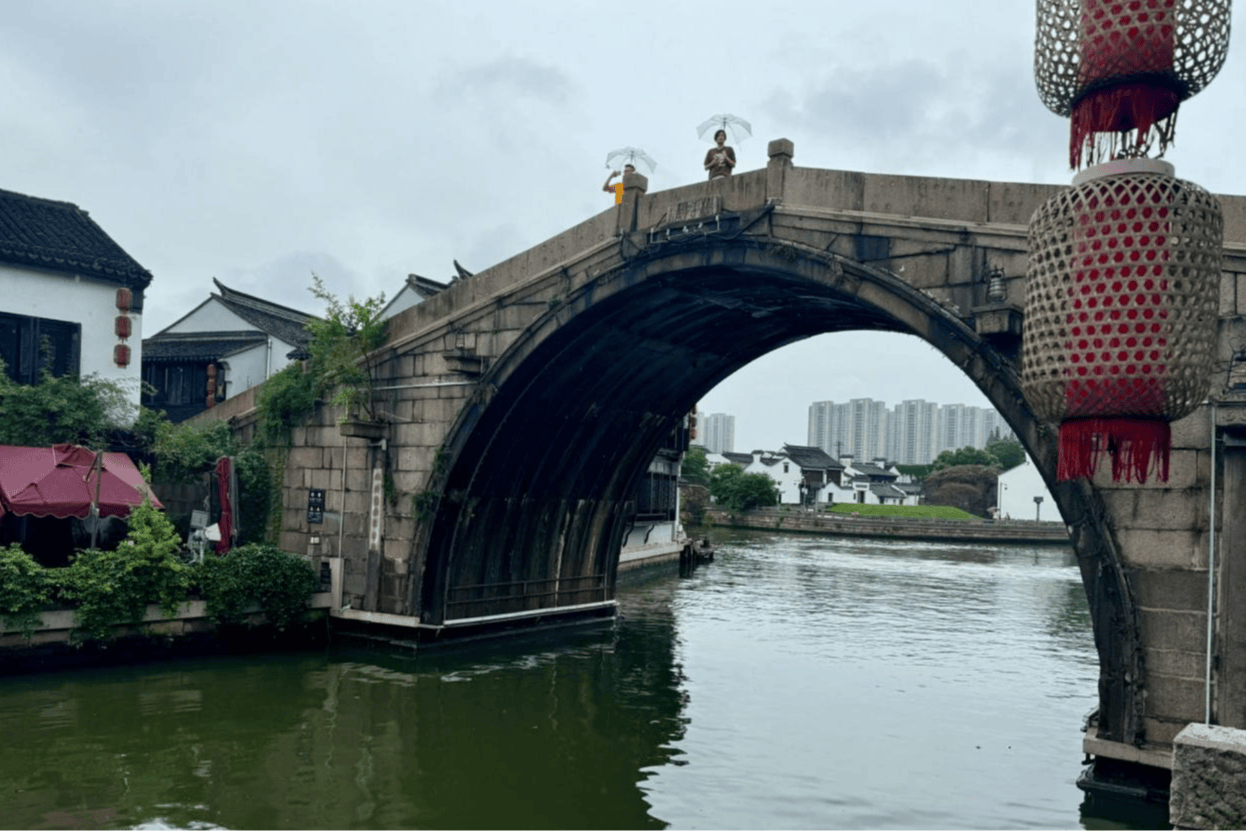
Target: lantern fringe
x: 1135, y: 446
x: 1141, y: 107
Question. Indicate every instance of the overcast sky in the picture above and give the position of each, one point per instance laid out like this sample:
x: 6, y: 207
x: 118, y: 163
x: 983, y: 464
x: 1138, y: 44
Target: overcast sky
x: 256, y: 142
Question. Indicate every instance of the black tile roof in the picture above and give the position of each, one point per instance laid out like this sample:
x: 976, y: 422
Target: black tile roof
x: 744, y: 459
x: 889, y: 491
x: 424, y: 286
x: 290, y: 325
x: 874, y: 470
x: 811, y: 458
x: 60, y: 236
x: 198, y: 346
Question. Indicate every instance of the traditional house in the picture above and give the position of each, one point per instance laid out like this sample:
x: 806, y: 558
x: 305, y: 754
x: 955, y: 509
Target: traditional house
x: 228, y: 343
x: 71, y: 300
x: 416, y: 290
x: 820, y: 475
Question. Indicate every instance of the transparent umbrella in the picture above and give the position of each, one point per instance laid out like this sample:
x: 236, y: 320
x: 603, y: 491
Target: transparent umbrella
x: 634, y: 156
x: 737, y: 128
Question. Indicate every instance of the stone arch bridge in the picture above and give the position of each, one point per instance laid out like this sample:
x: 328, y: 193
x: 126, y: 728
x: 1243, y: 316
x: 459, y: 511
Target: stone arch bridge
x: 522, y: 406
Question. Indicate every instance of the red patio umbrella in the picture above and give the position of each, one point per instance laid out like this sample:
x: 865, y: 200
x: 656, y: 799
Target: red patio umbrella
x: 62, y: 481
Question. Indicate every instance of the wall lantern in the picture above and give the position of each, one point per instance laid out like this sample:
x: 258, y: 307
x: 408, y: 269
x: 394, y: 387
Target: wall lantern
x: 121, y: 355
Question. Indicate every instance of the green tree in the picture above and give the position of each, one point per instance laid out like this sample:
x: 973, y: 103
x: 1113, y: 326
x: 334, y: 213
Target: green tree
x: 65, y: 409
x: 695, y: 468
x: 1009, y: 452
x: 342, y: 347
x: 184, y: 451
x: 735, y: 490
x: 964, y: 456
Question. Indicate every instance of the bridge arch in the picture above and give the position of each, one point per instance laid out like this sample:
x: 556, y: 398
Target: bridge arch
x: 534, y: 477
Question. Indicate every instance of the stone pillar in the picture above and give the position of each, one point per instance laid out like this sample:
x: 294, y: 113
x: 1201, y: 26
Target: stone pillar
x: 781, y: 151
x: 1208, y: 778
x: 1230, y: 684
x: 634, y: 187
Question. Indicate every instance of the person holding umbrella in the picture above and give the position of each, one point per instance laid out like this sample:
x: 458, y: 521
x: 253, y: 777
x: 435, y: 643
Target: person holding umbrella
x: 720, y: 159
x: 617, y: 187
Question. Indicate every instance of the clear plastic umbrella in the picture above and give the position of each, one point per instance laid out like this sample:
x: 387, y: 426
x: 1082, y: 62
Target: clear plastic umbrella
x: 634, y: 156
x: 737, y: 128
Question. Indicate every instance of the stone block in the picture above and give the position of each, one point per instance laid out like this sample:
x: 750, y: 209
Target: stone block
x: 1159, y: 509
x: 1162, y: 730
x: 395, y: 565
x: 1167, y: 629
x: 333, y: 457
x: 1176, y: 589
x: 1208, y: 778
x: 1013, y: 203
x: 1175, y: 698
x: 358, y: 479
x: 324, y: 478
x: 1148, y: 548
x: 408, y: 482
x: 357, y: 502
x: 1192, y: 432
x: 413, y: 458
x: 1186, y: 469
x: 1176, y: 662
x: 305, y: 458
x: 1228, y: 294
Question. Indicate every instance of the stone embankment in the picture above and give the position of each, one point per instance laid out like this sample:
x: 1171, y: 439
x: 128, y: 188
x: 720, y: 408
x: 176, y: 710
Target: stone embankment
x: 899, y: 528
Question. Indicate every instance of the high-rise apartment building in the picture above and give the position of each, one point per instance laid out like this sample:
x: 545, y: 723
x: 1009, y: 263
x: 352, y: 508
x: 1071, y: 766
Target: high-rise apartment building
x: 718, y: 433
x: 913, y: 432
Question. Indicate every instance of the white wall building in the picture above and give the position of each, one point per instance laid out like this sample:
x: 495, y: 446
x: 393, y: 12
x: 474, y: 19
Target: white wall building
x: 59, y: 281
x: 1016, y: 492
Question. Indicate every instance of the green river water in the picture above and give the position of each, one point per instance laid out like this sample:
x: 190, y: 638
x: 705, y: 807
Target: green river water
x: 795, y: 682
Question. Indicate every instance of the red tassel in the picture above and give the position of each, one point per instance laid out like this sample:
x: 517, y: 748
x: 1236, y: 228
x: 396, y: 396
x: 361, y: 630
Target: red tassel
x: 1119, y: 109
x: 1135, y: 445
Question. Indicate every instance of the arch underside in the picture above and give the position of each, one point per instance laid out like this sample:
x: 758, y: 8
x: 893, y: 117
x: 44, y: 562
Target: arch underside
x: 538, y: 490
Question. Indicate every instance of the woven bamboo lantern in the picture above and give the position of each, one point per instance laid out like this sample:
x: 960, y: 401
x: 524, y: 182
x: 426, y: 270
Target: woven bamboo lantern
x: 1120, y: 314
x: 1119, y: 69
x: 1121, y: 298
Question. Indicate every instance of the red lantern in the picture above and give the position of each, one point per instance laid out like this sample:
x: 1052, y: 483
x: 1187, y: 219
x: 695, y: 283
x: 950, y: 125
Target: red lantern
x: 1121, y: 314
x: 1124, y: 66
x: 125, y: 299
x: 121, y: 355
x: 122, y: 326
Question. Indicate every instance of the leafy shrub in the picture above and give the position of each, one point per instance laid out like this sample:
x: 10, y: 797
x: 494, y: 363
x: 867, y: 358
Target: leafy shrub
x: 284, y: 401
x: 277, y: 581
x: 24, y: 590
x: 184, y: 451
x: 342, y: 347
x: 114, y: 587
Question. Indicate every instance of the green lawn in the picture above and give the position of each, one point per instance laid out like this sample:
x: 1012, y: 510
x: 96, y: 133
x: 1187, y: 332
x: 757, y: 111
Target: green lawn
x: 915, y: 511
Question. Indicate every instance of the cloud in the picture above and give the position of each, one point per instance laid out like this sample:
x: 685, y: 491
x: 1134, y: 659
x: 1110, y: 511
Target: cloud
x: 963, y: 112
x: 506, y: 77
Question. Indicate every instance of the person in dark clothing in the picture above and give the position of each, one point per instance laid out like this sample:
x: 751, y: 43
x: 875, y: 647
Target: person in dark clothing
x: 720, y: 159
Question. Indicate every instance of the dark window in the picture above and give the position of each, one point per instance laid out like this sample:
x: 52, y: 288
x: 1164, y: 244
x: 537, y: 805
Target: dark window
x: 180, y: 389
x: 30, y: 344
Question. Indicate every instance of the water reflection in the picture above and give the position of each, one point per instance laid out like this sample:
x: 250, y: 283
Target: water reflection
x: 793, y: 683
